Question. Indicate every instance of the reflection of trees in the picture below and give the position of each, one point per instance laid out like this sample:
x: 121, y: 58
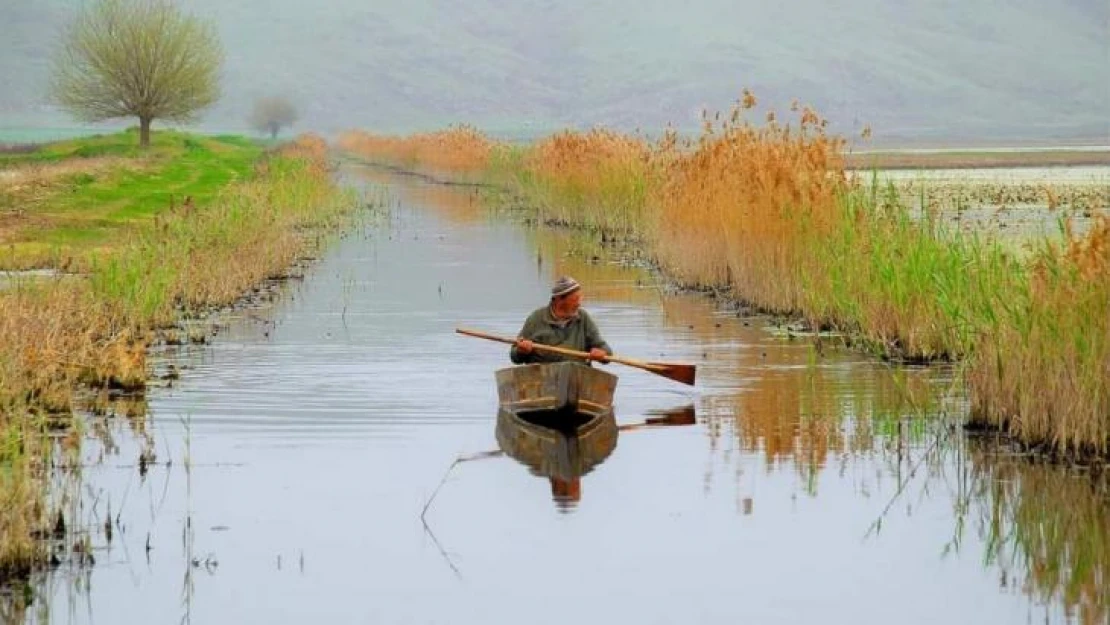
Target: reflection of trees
x: 1046, y: 527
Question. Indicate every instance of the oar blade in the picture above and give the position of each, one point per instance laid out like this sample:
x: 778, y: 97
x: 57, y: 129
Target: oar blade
x: 677, y: 372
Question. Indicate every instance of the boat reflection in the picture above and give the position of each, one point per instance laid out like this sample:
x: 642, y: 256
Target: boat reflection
x: 560, y: 445
x: 564, y: 446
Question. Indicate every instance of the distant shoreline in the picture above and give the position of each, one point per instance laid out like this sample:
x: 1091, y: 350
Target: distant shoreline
x: 979, y: 159
x: 891, y: 157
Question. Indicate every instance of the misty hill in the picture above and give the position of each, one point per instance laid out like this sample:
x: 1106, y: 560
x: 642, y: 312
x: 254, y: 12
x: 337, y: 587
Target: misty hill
x: 933, y: 69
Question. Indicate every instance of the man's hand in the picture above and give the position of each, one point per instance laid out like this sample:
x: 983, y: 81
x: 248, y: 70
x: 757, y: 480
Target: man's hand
x: 524, y: 346
x: 599, y: 355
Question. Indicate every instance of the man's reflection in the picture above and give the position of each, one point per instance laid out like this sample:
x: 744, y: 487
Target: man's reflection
x: 566, y: 493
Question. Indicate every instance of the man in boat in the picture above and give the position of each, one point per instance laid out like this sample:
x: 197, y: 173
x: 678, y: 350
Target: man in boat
x: 562, y: 323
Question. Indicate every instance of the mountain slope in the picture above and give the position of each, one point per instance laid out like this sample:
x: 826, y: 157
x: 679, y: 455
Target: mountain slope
x: 928, y: 69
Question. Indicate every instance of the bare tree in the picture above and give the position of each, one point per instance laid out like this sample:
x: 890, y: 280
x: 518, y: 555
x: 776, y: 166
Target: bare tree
x: 137, y: 58
x: 272, y: 114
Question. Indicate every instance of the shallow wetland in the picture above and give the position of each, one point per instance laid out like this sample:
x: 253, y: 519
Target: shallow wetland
x: 282, y: 468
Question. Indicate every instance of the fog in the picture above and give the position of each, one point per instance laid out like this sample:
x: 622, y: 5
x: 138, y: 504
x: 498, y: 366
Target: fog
x: 927, y: 70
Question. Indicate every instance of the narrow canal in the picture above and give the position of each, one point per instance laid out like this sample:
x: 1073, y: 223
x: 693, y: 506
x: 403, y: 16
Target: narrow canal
x: 286, y: 471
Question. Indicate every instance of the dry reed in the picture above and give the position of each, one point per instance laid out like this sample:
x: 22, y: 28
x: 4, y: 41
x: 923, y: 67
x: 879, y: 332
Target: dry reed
x: 1042, y: 369
x: 459, y: 152
x: 597, y: 179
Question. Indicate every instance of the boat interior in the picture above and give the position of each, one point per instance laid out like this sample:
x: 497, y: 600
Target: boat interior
x: 566, y: 419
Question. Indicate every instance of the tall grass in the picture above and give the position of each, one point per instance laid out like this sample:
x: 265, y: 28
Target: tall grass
x: 597, y: 179
x: 909, y: 288
x: 79, y: 331
x: 743, y: 208
x: 460, y: 152
x: 53, y: 337
x: 1042, y: 370
x: 21, y: 510
x: 190, y: 259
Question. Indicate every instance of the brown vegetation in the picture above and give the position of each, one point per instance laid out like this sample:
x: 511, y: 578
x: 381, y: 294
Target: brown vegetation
x: 1043, y: 371
x: 461, y: 151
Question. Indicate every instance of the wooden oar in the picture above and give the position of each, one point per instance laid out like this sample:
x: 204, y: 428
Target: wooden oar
x: 675, y: 371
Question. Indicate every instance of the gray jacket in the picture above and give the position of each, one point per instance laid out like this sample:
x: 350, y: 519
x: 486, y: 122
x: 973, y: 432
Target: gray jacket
x: 578, y: 333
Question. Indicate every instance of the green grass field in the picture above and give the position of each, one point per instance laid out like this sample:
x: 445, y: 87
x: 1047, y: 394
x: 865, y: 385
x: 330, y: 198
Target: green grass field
x: 65, y: 199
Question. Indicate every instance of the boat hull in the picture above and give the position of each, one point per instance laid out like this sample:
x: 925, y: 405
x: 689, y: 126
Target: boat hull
x: 555, y: 386
x: 556, y: 418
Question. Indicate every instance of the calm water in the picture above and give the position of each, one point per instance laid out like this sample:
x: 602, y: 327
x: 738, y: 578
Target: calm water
x: 294, y: 457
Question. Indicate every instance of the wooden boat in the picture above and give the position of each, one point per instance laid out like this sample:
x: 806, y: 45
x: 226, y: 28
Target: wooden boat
x: 555, y: 386
x: 556, y: 418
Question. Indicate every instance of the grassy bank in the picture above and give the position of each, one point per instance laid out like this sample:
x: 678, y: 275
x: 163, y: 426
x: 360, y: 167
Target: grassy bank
x: 769, y: 213
x: 154, y: 236
x: 59, y: 202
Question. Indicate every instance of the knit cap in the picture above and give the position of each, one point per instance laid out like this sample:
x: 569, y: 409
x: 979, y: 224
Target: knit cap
x: 564, y: 286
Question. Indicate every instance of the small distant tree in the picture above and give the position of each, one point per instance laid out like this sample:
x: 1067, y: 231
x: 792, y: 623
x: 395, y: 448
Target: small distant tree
x: 137, y: 58
x: 272, y: 114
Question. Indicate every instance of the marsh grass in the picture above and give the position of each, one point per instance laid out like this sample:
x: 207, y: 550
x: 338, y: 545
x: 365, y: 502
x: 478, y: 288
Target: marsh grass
x: 909, y: 289
x: 461, y: 153
x: 1042, y: 367
x: 190, y: 259
x: 598, y: 179
x: 20, y: 513
x: 63, y: 334
x: 957, y: 194
x: 743, y: 206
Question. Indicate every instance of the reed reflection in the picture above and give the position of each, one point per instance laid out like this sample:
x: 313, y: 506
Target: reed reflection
x: 459, y: 204
x: 1046, y: 527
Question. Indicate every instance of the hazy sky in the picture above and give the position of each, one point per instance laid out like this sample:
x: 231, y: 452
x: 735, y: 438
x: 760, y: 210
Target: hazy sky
x: 928, y: 68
